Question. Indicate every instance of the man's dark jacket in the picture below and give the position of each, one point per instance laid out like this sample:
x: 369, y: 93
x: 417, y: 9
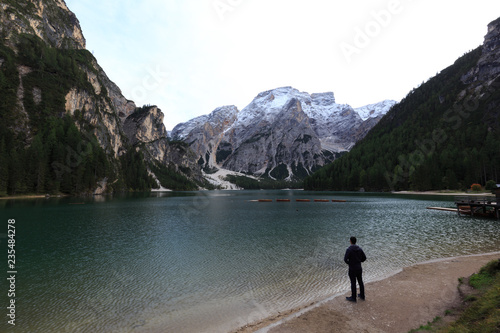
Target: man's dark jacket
x: 354, y: 256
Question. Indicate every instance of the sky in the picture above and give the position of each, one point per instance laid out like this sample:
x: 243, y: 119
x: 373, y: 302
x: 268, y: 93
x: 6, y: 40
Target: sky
x: 189, y: 57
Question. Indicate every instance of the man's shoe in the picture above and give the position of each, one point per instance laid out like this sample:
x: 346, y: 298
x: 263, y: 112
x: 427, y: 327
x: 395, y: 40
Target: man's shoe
x: 351, y: 299
x: 361, y: 297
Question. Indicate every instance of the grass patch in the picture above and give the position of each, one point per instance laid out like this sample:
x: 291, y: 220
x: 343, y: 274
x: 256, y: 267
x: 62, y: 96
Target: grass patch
x: 486, y: 275
x: 481, y: 311
x: 430, y: 327
x: 483, y: 314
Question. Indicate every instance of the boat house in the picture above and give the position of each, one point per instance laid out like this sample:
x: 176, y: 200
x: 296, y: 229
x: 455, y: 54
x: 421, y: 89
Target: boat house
x: 479, y: 206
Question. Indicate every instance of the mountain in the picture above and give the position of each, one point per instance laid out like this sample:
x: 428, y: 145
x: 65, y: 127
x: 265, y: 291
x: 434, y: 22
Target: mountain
x: 64, y: 125
x: 445, y: 134
x: 282, y: 134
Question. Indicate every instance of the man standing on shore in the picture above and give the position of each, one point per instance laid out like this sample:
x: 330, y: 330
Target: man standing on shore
x: 354, y: 256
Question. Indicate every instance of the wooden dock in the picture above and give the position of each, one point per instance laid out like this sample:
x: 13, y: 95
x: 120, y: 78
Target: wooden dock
x: 478, y: 206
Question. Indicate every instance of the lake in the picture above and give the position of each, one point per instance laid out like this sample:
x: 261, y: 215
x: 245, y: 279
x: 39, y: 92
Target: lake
x: 212, y: 261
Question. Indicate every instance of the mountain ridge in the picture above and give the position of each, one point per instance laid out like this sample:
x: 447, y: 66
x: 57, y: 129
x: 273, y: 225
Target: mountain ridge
x: 282, y: 133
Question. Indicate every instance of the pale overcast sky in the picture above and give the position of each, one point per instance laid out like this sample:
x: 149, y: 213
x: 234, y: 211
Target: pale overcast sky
x: 189, y: 57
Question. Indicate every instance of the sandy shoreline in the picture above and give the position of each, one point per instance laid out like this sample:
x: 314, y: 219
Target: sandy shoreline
x: 34, y: 196
x: 443, y: 193
x: 399, y: 303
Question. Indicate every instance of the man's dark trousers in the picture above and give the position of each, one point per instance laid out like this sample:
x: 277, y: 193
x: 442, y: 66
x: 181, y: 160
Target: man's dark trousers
x: 357, y: 275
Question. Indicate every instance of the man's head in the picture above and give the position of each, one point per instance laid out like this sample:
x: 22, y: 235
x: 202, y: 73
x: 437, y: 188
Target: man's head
x: 353, y: 240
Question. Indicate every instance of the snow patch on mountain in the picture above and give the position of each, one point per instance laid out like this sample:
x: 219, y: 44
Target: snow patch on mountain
x: 221, y: 117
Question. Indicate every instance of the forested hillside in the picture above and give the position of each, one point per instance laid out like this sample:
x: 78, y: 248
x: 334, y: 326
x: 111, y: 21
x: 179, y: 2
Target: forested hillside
x: 55, y: 156
x: 444, y: 135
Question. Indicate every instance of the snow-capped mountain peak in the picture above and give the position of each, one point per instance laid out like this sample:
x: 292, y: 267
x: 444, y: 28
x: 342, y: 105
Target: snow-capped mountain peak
x: 375, y: 110
x: 283, y: 133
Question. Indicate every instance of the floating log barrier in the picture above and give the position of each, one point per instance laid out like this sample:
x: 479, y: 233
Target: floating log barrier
x: 303, y: 200
x: 463, y: 209
x: 265, y: 200
x: 321, y: 200
x: 282, y: 200
x: 443, y: 209
x: 337, y: 200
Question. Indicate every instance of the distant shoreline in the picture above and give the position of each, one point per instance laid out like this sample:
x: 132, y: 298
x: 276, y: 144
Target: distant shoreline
x: 441, y: 193
x: 34, y: 196
x: 444, y: 193
x: 39, y: 196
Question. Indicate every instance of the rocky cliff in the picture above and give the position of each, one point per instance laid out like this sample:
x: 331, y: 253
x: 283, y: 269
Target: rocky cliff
x: 489, y: 63
x: 283, y: 133
x: 51, y: 21
x: 483, y: 80
x: 488, y: 66
x: 144, y: 128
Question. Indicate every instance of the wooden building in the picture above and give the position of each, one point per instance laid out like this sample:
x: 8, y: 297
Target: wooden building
x: 479, y: 206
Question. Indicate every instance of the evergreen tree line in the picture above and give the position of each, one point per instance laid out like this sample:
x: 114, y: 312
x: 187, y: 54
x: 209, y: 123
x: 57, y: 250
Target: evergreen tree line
x: 171, y: 179
x: 248, y: 183
x: 429, y: 141
x: 57, y: 160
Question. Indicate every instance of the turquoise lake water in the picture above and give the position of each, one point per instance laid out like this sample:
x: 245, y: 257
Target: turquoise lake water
x: 212, y: 261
